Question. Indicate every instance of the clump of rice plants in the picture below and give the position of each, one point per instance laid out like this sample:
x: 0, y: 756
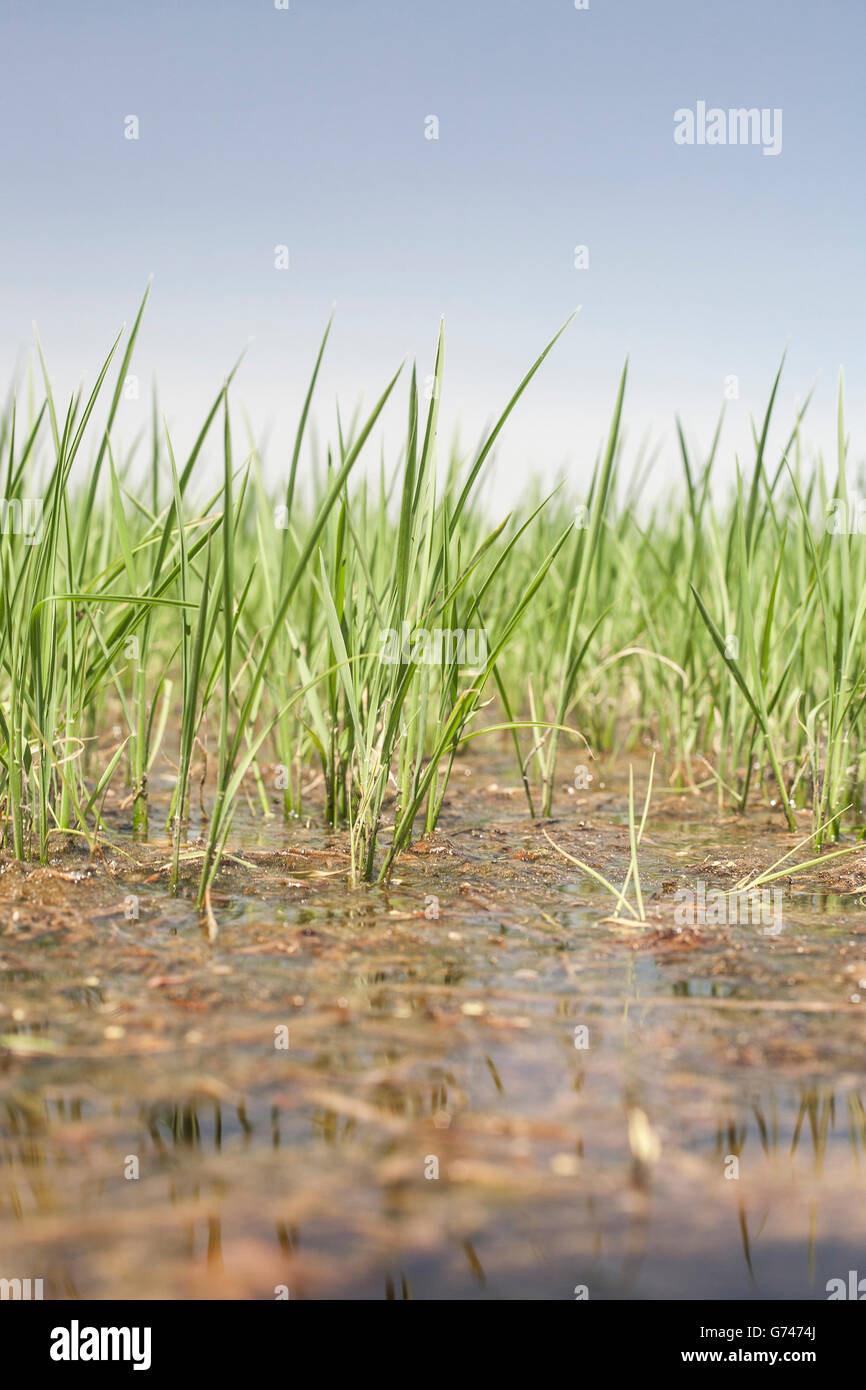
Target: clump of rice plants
x: 361, y: 631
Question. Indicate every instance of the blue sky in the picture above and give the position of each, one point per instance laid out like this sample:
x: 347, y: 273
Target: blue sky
x: 261, y: 127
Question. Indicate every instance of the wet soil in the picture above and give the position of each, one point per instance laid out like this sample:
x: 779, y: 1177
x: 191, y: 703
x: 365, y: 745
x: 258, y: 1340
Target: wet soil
x: 470, y: 1083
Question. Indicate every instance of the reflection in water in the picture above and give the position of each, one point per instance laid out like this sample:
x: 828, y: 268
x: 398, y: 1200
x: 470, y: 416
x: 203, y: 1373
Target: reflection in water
x: 403, y: 1284
x: 780, y: 1129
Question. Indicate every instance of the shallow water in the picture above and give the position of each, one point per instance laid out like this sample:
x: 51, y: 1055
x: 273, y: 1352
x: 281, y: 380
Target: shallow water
x: 433, y: 1044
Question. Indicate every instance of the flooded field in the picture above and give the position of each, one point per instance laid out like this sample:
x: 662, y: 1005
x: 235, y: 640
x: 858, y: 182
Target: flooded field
x: 468, y: 1084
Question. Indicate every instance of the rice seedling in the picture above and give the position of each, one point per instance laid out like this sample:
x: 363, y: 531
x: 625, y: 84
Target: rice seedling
x: 364, y: 629
x: 636, y: 911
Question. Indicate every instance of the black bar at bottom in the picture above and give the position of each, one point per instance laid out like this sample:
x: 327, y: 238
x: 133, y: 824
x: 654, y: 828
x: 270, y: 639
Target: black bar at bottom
x: 63, y: 1339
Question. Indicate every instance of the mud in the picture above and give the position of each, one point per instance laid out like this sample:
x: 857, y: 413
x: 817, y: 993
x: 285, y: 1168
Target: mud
x: 467, y: 1083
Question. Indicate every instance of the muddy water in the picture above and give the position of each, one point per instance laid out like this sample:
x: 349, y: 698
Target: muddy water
x: 488, y: 1091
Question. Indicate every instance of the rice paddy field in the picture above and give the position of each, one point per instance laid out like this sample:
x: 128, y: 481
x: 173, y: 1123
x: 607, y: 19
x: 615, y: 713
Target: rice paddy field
x: 404, y: 900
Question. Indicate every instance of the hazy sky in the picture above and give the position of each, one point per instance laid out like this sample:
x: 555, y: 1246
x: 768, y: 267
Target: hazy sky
x: 305, y: 127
